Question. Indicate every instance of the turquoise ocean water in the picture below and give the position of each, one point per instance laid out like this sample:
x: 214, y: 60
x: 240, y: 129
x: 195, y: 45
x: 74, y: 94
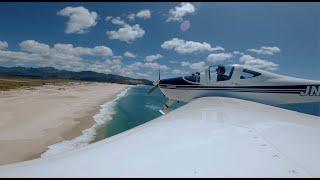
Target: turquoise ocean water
x: 133, y: 109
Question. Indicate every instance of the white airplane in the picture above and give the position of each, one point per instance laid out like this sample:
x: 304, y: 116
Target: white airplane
x: 242, y: 82
x: 207, y: 137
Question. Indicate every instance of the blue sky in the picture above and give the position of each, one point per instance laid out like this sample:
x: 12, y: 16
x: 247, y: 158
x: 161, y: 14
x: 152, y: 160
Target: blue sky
x: 181, y: 38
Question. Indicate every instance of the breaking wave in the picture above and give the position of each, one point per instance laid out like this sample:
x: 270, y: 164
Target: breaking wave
x: 88, y: 135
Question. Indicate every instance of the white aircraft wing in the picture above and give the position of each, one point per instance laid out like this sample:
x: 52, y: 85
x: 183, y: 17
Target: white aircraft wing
x: 208, y: 137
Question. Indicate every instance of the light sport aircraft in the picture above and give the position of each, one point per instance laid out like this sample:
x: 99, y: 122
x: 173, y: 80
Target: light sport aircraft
x: 242, y: 82
x: 208, y: 137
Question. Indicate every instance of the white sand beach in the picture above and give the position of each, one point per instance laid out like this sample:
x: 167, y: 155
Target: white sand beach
x: 31, y: 120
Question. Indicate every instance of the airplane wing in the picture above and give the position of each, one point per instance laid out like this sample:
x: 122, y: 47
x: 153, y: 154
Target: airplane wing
x: 208, y: 137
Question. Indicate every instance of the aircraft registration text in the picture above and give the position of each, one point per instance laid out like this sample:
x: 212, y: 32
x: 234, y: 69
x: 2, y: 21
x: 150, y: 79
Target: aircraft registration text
x: 311, y: 91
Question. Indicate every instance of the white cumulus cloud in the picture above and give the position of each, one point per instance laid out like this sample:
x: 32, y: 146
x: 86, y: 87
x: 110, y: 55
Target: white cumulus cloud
x: 199, y: 66
x: 78, y: 51
x: 101, y: 51
x: 218, y: 57
x: 135, y: 66
x: 126, y: 32
x: 129, y: 54
x: 179, y: 72
x: 61, y: 56
x: 131, y: 16
x: 118, y: 21
x: 108, y: 18
x: 144, y: 14
x: 3, y: 45
x: 80, y: 19
x: 155, y: 66
x: 152, y: 58
x: 178, y: 12
x: 258, y: 63
x: 265, y: 50
x: 184, y: 47
x: 148, y: 66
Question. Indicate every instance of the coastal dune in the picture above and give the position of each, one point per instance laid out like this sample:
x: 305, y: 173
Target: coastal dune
x: 33, y: 119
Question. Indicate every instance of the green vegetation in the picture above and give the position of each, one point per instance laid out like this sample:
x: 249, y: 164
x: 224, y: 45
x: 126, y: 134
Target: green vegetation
x: 14, y: 83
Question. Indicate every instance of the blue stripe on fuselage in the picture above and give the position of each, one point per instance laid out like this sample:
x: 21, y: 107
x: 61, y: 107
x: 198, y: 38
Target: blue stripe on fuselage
x: 291, y: 89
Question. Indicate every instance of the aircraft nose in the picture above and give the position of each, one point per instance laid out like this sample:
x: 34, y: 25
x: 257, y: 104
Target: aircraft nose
x: 162, y: 81
x: 171, y: 81
x: 165, y: 81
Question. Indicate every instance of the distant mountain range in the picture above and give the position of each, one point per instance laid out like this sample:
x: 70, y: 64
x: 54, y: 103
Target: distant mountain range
x: 53, y: 73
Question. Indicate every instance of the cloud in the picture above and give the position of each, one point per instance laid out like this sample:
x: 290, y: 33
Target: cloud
x: 178, y: 12
x: 61, y: 56
x: 148, y: 66
x: 218, y: 57
x: 118, y: 21
x: 78, y: 51
x: 185, y: 47
x: 21, y: 56
x: 152, y: 58
x: 144, y: 14
x: 34, y: 47
x: 127, y: 32
x: 179, y: 72
x: 135, y: 65
x: 70, y: 57
x: 185, y: 25
x: 101, y: 51
x: 185, y: 63
x: 3, y: 45
x: 108, y: 18
x: 237, y: 53
x: 80, y: 19
x: 258, y: 63
x: 155, y: 66
x: 144, y: 75
x: 265, y: 50
x: 113, y: 65
x: 116, y: 66
x: 129, y: 54
x: 131, y: 16
x: 199, y: 66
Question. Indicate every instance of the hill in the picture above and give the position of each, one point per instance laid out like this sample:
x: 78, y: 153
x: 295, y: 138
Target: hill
x: 53, y: 73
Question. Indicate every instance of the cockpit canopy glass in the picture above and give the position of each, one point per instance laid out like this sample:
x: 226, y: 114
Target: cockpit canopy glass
x: 194, y: 77
x: 221, y: 72
x: 246, y: 73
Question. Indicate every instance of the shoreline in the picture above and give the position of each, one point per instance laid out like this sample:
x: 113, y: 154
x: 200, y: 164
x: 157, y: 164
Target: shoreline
x: 100, y: 116
x: 35, y: 119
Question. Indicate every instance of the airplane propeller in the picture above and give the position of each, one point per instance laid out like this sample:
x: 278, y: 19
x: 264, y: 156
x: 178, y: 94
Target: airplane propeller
x: 166, y: 107
x: 156, y: 84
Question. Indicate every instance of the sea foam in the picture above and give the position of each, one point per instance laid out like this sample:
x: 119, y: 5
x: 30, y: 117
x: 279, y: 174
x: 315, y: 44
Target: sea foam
x: 88, y: 135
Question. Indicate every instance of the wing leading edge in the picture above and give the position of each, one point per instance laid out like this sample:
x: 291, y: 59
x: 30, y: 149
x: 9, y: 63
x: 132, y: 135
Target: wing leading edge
x: 208, y: 137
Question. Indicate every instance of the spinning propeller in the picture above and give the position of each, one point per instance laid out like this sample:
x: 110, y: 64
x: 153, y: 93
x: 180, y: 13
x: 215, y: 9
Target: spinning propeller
x: 165, y: 108
x: 155, y: 84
